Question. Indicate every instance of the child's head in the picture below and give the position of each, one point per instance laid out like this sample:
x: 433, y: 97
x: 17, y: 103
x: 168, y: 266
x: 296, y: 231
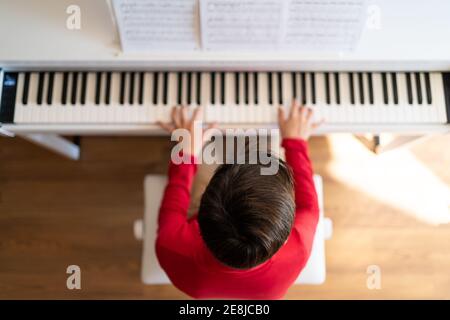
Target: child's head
x: 246, y: 217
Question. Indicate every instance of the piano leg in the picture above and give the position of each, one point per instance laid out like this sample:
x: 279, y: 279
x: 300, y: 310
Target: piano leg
x: 6, y: 133
x: 55, y: 143
x: 381, y: 143
x: 388, y: 142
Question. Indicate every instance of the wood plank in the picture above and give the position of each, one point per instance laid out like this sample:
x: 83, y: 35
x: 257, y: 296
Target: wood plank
x: 55, y: 212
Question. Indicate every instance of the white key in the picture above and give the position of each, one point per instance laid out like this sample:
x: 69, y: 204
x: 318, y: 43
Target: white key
x: 287, y: 89
x: 93, y: 114
x: 226, y: 110
x: 357, y: 107
x: 205, y: 99
x: 18, y: 103
x: 112, y: 108
x: 437, y: 95
x: 56, y: 98
x: 130, y: 105
x: 37, y: 112
x: 335, y: 114
x: 405, y: 109
x: 346, y: 108
x: 75, y: 107
x: 419, y: 114
x: 162, y: 112
x: 321, y: 96
x: 141, y: 112
x: 252, y: 109
x: 264, y: 114
x: 432, y: 116
x: 29, y: 113
x: 135, y: 106
x: 369, y: 114
x: 217, y: 97
x: 241, y: 113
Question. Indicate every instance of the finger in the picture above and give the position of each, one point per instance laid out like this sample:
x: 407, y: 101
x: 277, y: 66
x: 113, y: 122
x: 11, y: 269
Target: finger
x: 315, y: 125
x: 309, y: 114
x: 281, y: 115
x: 198, y: 114
x: 303, y: 112
x: 212, y: 126
x: 176, y: 116
x: 294, y: 108
x: 166, y: 126
x: 184, y: 115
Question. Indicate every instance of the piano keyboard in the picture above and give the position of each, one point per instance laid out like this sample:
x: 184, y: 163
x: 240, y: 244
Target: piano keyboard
x: 228, y: 97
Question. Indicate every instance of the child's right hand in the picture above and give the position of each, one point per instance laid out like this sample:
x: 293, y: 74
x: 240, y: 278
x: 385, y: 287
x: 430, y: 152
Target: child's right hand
x: 299, y: 124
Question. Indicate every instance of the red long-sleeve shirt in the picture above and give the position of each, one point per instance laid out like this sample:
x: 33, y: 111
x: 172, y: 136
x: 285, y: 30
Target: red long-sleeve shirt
x: 194, y: 270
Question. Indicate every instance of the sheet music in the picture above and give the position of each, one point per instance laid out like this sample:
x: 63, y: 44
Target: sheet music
x: 324, y: 25
x: 157, y: 24
x: 296, y: 25
x: 241, y: 24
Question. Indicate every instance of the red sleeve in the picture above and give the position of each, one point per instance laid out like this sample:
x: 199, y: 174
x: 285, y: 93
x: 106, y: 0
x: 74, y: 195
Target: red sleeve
x: 177, y: 195
x: 307, y: 206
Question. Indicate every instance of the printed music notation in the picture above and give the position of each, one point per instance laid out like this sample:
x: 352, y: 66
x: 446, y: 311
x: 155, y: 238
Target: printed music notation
x: 157, y: 24
x: 246, y: 25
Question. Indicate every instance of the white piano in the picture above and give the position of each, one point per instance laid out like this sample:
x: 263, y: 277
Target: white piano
x: 59, y: 81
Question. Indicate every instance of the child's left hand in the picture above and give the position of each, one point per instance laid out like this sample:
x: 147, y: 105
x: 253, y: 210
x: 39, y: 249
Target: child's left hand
x: 181, y: 120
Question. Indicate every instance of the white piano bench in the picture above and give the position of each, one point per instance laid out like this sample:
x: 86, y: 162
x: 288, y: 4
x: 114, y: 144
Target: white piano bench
x: 314, y: 272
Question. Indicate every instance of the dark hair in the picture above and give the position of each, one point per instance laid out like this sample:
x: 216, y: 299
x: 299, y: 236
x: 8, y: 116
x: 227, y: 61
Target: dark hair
x: 246, y: 217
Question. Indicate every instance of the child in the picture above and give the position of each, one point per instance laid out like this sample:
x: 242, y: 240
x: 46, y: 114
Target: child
x: 253, y: 233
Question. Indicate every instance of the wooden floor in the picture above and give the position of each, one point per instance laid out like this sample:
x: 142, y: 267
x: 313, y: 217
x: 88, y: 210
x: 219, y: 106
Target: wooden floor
x: 56, y: 212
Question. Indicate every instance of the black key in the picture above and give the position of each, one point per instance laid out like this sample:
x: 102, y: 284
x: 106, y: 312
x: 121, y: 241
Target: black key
x: 141, y: 87
x: 269, y: 82
x: 189, y: 88
x: 199, y: 88
x: 409, y: 88
x: 336, y: 88
x: 385, y: 88
x: 304, y: 93
x: 369, y: 78
x: 123, y: 79
x: 255, y: 87
x: 98, y: 88
x: 222, y: 87
x: 428, y: 88
x: 236, y: 87
x: 26, y: 86
x: 351, y: 87
x: 131, y: 92
x: 313, y: 87
x: 83, y: 88
x: 180, y: 88
x: 213, y: 88
x: 394, y: 87
x: 51, y: 78
x: 361, y: 87
x: 155, y: 87
x: 165, y: 88
x: 280, y: 88
x: 74, y: 87
x: 108, y: 88
x: 327, y: 88
x: 64, y: 88
x: 40, y: 91
x: 294, y: 85
x: 246, y: 88
x: 418, y: 88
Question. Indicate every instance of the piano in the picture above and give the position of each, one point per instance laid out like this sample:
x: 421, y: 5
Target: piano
x: 102, y: 100
x: 57, y: 81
